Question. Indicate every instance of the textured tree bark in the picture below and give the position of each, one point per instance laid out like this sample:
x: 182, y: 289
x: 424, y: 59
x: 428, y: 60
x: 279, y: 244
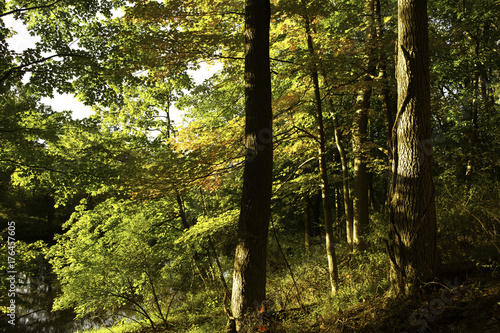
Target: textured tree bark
x: 412, y: 230
x: 249, y: 276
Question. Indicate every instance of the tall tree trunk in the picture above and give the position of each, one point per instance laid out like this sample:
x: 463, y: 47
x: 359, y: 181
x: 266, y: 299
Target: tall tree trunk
x: 386, y: 98
x: 345, y: 171
x: 338, y: 211
x: 307, y: 222
x: 360, y: 179
x: 249, y: 276
x: 316, y: 212
x: 473, y: 120
x: 412, y: 230
x: 325, y: 190
x: 182, y: 212
x: 345, y: 180
x: 362, y: 106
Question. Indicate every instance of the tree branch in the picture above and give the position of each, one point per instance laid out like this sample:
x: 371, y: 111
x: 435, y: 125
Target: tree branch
x: 20, y: 10
x: 45, y: 168
x: 13, y: 69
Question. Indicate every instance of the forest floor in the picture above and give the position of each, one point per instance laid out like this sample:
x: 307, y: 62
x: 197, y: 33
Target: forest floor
x: 466, y: 301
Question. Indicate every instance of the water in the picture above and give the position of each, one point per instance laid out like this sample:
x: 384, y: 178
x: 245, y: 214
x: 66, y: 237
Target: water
x: 34, y: 299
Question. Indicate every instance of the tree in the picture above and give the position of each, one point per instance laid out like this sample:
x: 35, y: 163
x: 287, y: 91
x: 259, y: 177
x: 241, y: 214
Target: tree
x: 54, y: 61
x: 464, y: 66
x: 109, y: 276
x: 249, y: 276
x: 325, y: 188
x: 412, y: 230
x: 345, y: 180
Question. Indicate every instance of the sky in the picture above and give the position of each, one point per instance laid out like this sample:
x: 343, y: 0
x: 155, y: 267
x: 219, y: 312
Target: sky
x: 22, y: 40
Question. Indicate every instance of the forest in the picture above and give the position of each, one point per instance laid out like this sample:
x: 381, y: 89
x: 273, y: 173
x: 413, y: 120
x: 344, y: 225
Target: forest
x: 338, y: 171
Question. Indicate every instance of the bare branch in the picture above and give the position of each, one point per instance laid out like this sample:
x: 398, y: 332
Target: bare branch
x: 13, y: 69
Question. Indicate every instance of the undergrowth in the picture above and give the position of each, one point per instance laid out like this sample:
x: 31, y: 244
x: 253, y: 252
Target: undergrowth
x: 299, y: 299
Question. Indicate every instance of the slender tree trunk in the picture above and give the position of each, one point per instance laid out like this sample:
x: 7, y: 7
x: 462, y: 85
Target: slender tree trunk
x: 325, y: 190
x: 388, y: 102
x: 307, y: 222
x: 338, y: 211
x: 182, y: 212
x: 386, y: 98
x: 316, y: 215
x: 345, y: 182
x: 412, y: 230
x: 371, y: 193
x: 348, y: 210
x: 361, y: 179
x: 473, y: 120
x: 222, y: 279
x: 169, y: 120
x: 249, y: 276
